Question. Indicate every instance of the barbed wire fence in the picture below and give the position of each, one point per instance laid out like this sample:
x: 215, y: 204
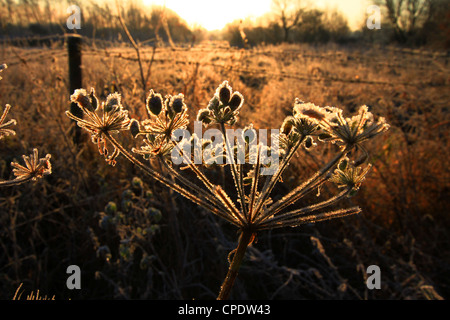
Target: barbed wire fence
x: 53, y: 49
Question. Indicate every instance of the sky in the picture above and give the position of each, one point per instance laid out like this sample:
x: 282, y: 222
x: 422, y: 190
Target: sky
x: 215, y: 14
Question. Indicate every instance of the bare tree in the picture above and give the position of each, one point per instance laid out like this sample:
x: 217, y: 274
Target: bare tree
x: 290, y: 13
x: 406, y: 16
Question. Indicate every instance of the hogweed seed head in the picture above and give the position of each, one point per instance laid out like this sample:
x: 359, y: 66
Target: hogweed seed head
x: 34, y: 168
x: 109, y: 118
x: 224, y: 106
x: 349, y: 176
x: 252, y: 207
x: 4, y: 126
x: 351, y: 132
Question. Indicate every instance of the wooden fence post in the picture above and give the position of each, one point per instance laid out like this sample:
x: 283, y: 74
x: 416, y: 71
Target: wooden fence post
x: 74, y: 45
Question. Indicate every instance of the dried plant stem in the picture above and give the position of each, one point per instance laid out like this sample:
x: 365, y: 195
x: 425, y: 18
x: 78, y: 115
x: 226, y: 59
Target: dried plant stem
x: 167, y: 182
x: 8, y: 183
x: 236, y: 172
x: 135, y: 46
x: 216, y: 191
x: 245, y: 239
x: 270, y: 183
x: 197, y: 171
x: 317, y: 179
x: 222, y: 212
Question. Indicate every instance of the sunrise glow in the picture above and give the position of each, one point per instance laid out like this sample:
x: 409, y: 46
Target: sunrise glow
x: 215, y: 14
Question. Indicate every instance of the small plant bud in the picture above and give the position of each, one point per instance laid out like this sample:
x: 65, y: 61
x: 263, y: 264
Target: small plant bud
x: 225, y: 93
x: 112, y: 101
x: 137, y: 183
x: 177, y: 103
x: 343, y: 164
x: 127, y: 194
x: 154, y: 103
x: 111, y: 208
x: 213, y: 103
x: 155, y: 214
x: 125, y: 252
x: 236, y: 101
x: 81, y: 97
x: 135, y: 128
x: 204, y: 116
x: 287, y: 125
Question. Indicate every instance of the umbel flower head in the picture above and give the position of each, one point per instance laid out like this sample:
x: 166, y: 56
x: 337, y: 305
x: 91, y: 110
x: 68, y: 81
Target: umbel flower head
x: 223, y: 108
x: 34, y: 168
x: 251, y: 205
x: 100, y: 120
x: 164, y: 116
x: 349, y: 176
x: 351, y: 132
x: 4, y: 126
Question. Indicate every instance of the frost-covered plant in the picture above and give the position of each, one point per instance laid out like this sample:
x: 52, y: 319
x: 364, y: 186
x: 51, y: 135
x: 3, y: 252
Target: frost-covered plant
x: 34, y: 168
x: 250, y: 208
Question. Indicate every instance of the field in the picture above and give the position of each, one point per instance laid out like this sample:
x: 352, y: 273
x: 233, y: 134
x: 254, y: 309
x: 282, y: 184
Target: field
x: 158, y: 245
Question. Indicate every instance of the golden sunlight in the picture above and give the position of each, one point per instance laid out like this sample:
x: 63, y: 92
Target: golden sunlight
x: 214, y: 14
x: 211, y: 14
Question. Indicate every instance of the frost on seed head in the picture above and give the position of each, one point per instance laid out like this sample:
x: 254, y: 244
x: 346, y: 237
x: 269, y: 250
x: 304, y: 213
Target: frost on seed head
x: 154, y: 103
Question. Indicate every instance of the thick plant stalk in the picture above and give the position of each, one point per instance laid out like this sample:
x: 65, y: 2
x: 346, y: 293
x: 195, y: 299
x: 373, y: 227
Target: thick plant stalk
x: 245, y: 239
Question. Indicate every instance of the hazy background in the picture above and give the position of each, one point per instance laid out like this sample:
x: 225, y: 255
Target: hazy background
x: 406, y: 22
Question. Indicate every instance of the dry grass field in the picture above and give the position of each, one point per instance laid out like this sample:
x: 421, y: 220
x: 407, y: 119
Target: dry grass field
x: 137, y: 239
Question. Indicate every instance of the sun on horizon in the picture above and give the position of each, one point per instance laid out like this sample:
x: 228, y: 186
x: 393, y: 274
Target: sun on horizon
x: 215, y: 15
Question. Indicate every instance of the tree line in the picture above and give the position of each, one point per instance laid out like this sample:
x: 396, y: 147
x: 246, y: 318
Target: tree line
x: 407, y: 22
